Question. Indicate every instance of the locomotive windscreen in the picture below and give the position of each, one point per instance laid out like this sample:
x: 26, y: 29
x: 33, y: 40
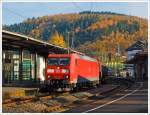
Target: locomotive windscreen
x: 58, y: 61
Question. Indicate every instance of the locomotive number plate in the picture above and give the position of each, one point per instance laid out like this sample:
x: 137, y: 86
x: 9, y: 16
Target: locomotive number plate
x: 57, y: 71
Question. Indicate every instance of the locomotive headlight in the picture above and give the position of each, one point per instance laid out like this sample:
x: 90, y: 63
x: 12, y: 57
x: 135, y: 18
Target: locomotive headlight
x: 66, y: 77
x: 50, y: 77
x: 50, y: 70
x: 65, y: 70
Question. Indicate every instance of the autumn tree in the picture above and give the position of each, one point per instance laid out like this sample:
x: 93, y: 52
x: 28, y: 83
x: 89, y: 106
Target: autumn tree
x: 35, y: 33
x: 57, y: 39
x: 94, y: 32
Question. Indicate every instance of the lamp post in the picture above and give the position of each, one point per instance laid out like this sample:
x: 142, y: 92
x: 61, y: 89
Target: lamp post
x: 68, y: 42
x: 54, y: 26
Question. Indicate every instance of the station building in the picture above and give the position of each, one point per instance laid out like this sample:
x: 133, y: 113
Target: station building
x: 24, y: 59
x: 138, y: 57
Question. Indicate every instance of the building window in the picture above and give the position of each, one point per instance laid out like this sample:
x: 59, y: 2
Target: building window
x: 16, y: 66
x: 26, y: 65
x: 10, y: 66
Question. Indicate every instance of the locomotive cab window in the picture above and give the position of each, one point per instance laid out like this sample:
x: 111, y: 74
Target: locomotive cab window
x: 58, y: 61
x: 76, y: 63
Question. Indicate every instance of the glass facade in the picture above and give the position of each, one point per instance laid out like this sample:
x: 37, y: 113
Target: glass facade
x: 26, y: 65
x: 10, y: 66
x: 7, y: 69
x: 19, y: 66
x: 16, y: 65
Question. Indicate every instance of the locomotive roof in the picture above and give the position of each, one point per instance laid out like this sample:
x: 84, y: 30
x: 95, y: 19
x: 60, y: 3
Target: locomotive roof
x: 87, y: 58
x: 59, y: 55
x: 68, y: 55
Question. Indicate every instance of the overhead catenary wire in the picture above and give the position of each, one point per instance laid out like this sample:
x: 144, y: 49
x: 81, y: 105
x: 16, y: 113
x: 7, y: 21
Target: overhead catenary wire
x: 72, y: 41
x: 91, y: 6
x: 15, y: 13
x: 24, y: 17
x: 77, y: 6
x: 20, y: 15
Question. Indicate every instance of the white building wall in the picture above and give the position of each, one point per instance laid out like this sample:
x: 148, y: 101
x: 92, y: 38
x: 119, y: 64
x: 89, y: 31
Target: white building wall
x: 132, y: 53
x: 41, y: 67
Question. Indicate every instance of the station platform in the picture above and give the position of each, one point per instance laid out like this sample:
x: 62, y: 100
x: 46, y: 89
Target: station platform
x: 14, y: 92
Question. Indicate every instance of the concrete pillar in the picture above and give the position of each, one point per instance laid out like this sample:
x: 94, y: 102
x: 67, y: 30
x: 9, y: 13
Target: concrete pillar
x: 20, y: 65
x: 30, y: 66
x: 35, y: 68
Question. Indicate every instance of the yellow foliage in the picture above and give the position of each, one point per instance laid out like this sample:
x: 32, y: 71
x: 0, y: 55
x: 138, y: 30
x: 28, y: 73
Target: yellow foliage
x: 57, y: 39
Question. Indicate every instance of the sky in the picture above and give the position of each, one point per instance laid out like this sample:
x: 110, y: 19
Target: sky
x: 16, y: 12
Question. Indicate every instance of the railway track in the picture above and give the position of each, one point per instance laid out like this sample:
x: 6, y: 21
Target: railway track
x: 39, y: 96
x: 36, y: 97
x: 102, y: 96
x: 37, y: 102
x: 43, y: 98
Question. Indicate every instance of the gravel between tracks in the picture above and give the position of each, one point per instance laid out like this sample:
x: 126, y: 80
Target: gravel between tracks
x: 56, y: 104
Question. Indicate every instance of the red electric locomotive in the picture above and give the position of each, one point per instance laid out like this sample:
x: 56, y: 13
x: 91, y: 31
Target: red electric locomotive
x: 72, y: 71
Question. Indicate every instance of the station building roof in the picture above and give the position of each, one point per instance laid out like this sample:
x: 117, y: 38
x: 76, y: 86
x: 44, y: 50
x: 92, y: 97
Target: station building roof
x: 141, y: 56
x: 11, y: 40
x: 139, y: 45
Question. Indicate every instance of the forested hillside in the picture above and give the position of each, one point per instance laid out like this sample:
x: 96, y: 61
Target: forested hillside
x: 98, y: 33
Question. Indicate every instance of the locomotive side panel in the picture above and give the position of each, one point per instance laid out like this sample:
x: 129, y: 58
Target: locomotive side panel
x: 73, y: 69
x: 87, y: 71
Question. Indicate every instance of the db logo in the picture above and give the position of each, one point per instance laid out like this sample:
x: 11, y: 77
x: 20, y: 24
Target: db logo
x: 57, y: 70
